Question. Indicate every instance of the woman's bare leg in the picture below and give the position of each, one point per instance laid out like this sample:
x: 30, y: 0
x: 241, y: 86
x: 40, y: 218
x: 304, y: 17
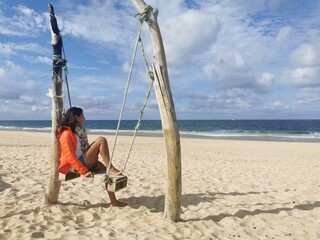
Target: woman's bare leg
x: 100, y: 145
x: 113, y: 200
x: 100, y: 168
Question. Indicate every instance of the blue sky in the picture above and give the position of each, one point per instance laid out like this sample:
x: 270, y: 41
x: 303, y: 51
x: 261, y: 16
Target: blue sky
x: 226, y: 59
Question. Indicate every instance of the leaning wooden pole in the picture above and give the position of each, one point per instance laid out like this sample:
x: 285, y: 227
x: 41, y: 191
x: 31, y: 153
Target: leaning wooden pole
x: 167, y: 113
x: 53, y: 188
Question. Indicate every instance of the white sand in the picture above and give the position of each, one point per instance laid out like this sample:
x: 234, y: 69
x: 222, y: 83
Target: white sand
x: 231, y: 190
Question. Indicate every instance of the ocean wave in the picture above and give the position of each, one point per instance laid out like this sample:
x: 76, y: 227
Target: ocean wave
x: 310, y: 137
x: 7, y: 127
x: 37, y: 129
x: 112, y: 131
x: 12, y: 128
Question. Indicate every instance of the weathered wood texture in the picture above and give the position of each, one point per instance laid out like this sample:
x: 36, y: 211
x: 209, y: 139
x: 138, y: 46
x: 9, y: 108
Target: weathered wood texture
x: 53, y: 188
x: 168, y: 116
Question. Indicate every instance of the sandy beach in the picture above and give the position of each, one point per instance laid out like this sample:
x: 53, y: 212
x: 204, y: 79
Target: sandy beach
x: 231, y: 190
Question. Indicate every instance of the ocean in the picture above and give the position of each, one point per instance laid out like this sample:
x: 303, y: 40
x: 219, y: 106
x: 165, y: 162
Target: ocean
x: 265, y: 130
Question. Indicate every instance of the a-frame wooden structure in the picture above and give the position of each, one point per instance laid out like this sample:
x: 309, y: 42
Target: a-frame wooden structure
x: 165, y: 103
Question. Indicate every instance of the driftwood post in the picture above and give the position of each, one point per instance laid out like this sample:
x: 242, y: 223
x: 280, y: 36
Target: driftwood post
x: 168, y: 115
x: 53, y: 188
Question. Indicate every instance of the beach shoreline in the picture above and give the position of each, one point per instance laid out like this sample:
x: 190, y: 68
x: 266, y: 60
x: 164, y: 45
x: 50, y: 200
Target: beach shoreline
x: 230, y: 190
x: 126, y: 133
x: 295, y: 130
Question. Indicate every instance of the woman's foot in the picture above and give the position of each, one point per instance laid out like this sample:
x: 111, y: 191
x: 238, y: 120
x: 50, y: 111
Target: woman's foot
x: 113, y: 171
x: 118, y: 204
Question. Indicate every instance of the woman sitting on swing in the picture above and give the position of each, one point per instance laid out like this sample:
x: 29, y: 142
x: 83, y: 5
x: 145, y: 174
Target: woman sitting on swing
x: 76, y: 153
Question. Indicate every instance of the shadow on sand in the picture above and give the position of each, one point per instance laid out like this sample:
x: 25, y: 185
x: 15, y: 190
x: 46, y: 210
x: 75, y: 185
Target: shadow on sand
x: 3, y: 184
x: 156, y: 204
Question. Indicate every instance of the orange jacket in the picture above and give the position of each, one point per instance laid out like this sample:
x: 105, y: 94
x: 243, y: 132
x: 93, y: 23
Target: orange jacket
x: 67, y: 146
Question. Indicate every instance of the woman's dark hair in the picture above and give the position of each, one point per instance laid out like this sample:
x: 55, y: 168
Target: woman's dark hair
x: 69, y: 118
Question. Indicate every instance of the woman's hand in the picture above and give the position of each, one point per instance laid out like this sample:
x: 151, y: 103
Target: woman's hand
x: 89, y: 175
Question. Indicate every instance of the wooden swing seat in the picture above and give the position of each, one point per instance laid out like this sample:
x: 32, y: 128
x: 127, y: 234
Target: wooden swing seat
x: 117, y: 183
x: 114, y: 184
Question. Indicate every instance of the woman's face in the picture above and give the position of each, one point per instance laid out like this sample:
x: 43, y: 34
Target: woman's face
x: 80, y: 120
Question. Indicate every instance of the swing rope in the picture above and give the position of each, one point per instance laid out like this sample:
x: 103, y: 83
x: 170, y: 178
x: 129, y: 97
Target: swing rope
x: 63, y: 61
x: 66, y: 71
x: 143, y: 16
x: 150, y: 73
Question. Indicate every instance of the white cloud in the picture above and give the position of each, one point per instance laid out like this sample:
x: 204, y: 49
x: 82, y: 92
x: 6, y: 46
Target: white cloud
x: 100, y: 22
x: 2, y: 73
x: 307, y: 55
x: 264, y: 83
x: 168, y: 8
x: 308, y: 96
x: 10, y: 48
x: 5, y: 49
x: 25, y: 22
x: 15, y: 82
x: 9, y: 68
x: 283, y: 36
x: 31, y: 47
x: 230, y: 70
x: 39, y: 59
x: 302, y: 77
x: 189, y: 34
x: 276, y: 104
